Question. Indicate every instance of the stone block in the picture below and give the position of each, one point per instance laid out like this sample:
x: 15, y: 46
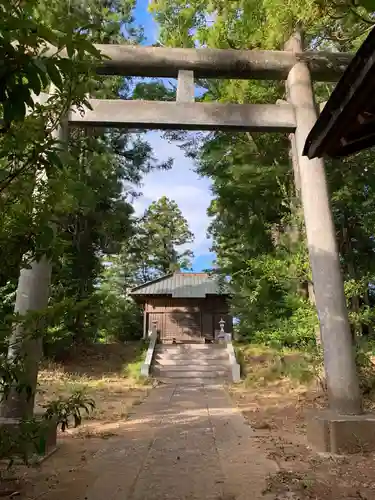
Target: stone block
x: 330, y: 432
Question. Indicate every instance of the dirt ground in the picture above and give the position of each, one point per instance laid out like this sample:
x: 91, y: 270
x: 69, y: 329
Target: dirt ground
x: 276, y: 411
x: 108, y: 375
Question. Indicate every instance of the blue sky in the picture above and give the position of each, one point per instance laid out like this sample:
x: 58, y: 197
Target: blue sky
x: 143, y: 18
x: 191, y: 193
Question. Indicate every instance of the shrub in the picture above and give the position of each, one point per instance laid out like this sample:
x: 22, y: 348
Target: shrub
x: 64, y: 410
x: 295, y: 332
x: 365, y: 370
x: 29, y: 437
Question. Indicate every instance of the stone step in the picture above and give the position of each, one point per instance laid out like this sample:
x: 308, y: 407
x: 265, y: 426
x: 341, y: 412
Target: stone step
x: 191, y: 364
x: 191, y: 367
x: 190, y: 361
x: 190, y: 347
x: 194, y: 352
x: 177, y: 359
x: 171, y: 373
x: 193, y: 381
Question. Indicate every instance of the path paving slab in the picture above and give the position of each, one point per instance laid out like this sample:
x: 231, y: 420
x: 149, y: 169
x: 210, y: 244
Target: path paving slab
x: 181, y: 443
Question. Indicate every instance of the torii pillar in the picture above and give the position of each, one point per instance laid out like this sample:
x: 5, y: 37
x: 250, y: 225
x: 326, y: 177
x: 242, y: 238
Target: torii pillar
x: 331, y: 430
x: 32, y: 296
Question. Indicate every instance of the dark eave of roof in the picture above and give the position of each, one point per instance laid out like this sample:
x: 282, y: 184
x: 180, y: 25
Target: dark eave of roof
x: 346, y: 124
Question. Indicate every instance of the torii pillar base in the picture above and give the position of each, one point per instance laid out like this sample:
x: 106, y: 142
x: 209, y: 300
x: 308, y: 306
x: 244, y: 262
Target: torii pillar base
x: 330, y: 432
x: 42, y: 445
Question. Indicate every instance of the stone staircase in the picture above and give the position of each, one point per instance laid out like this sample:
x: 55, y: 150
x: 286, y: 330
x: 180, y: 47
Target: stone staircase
x: 191, y: 364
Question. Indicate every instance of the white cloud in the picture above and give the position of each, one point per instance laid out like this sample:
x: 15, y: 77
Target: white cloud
x: 181, y: 184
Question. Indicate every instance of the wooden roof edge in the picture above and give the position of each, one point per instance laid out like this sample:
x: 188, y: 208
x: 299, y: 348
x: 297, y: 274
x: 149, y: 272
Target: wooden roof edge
x: 150, y: 282
x: 170, y: 295
x: 169, y: 275
x: 327, y: 127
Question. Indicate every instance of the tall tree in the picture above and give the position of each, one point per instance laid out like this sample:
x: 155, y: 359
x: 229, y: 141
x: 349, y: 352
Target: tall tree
x: 167, y: 231
x: 160, y: 234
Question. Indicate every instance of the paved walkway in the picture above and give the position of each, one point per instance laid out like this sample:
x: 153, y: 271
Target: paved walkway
x: 182, y: 443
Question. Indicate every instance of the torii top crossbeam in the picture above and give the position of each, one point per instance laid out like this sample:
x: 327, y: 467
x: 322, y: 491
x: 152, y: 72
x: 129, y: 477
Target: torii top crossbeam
x: 130, y: 60
x: 188, y: 64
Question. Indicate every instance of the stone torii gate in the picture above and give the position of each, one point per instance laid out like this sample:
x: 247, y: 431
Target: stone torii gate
x: 331, y: 430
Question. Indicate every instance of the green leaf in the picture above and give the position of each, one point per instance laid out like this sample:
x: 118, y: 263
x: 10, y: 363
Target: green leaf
x: 47, y: 34
x: 89, y: 48
x: 42, y: 71
x: 28, y: 99
x: 369, y: 5
x: 86, y: 103
x: 54, y: 74
x: 65, y: 65
x: 47, y: 236
x: 70, y: 49
x: 32, y: 76
x: 54, y: 159
x: 15, y: 109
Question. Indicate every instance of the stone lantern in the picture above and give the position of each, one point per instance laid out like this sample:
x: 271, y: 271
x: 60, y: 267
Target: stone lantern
x: 222, y: 324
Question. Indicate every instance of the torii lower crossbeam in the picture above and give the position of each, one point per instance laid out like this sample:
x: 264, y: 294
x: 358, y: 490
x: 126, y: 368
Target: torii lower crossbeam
x: 186, y: 116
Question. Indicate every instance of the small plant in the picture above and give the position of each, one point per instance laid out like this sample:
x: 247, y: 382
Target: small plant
x: 12, y: 377
x: 366, y: 371
x: 29, y: 437
x: 65, y: 410
x: 300, y: 370
x: 240, y: 360
x: 133, y: 370
x: 22, y: 441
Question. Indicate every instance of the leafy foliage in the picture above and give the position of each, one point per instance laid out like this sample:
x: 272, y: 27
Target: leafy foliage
x: 30, y: 436
x: 122, y: 318
x: 11, y: 375
x: 36, y: 60
x: 64, y: 410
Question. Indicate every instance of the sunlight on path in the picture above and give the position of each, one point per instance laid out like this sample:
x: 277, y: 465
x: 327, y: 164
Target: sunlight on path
x: 182, y: 443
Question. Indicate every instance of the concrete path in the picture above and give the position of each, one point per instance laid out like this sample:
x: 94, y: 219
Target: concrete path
x: 182, y: 443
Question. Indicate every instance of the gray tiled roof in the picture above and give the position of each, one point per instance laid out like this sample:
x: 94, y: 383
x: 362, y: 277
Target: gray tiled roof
x: 181, y: 285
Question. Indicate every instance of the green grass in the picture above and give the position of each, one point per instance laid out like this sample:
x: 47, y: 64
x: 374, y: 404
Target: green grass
x: 132, y: 370
x: 264, y: 365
